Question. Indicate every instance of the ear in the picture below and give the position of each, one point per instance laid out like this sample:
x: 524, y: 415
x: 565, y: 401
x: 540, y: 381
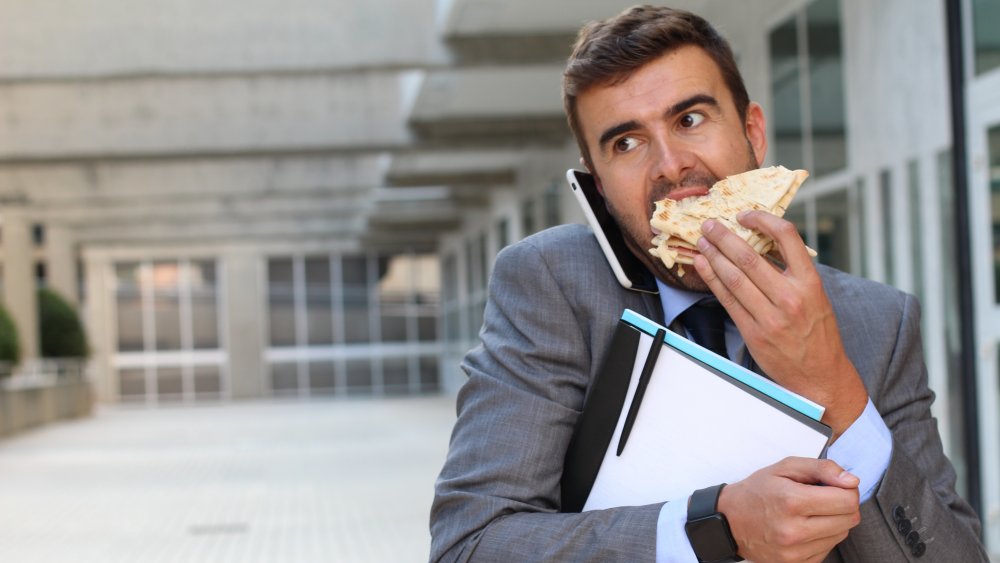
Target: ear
x: 756, y: 131
x: 590, y: 170
x: 597, y: 179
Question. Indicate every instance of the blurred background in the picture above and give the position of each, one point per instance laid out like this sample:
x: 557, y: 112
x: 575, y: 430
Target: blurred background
x: 245, y: 244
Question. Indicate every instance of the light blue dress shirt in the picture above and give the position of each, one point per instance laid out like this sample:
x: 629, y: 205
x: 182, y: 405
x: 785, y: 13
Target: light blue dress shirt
x: 863, y: 449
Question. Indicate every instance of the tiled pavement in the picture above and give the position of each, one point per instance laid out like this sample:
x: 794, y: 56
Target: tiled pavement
x: 297, y: 482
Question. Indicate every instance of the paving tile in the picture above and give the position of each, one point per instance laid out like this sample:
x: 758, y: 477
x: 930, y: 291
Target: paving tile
x: 286, y: 481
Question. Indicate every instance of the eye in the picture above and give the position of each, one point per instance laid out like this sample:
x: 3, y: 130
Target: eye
x: 689, y: 120
x: 626, y: 144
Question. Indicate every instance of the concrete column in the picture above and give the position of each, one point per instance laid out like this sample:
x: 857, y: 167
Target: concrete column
x: 243, y: 324
x: 61, y: 262
x: 100, y: 323
x: 19, y: 292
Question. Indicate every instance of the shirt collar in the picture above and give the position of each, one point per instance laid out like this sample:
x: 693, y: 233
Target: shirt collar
x: 675, y: 301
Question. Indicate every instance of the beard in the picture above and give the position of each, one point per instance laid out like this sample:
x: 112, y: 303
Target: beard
x: 638, y: 236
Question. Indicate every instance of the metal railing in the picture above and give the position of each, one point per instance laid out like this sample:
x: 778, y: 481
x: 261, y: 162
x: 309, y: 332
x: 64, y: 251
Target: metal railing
x: 41, y: 372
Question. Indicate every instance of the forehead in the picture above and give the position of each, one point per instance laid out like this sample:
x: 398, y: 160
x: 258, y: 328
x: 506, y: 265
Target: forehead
x: 649, y: 91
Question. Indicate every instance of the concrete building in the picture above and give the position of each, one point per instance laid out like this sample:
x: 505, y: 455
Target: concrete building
x: 261, y: 198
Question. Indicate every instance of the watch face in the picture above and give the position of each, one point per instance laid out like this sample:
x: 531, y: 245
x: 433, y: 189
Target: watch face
x: 711, y: 539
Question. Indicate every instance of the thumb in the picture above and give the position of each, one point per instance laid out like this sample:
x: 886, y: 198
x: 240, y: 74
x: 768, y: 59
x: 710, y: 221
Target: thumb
x: 818, y: 472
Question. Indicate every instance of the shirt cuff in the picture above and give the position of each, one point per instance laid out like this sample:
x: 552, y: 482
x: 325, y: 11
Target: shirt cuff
x: 864, y: 449
x: 672, y: 545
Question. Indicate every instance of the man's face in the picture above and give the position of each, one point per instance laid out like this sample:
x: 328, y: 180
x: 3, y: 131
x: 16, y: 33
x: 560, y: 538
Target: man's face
x: 670, y: 130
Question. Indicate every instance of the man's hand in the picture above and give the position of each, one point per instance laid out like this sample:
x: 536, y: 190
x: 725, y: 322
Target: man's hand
x: 779, y: 513
x: 784, y: 315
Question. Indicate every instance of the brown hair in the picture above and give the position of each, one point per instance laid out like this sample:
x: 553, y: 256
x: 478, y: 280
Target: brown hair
x: 608, y: 52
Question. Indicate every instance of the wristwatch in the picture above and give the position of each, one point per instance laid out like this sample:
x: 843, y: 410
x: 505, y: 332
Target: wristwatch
x: 707, y: 528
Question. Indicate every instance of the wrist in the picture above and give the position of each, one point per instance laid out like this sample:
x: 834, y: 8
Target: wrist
x: 708, y: 529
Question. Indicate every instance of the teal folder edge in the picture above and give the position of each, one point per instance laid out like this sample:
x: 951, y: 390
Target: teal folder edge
x: 735, y: 371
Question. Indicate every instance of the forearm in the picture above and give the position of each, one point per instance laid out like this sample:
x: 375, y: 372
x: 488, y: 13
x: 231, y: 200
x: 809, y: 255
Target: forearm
x: 624, y: 534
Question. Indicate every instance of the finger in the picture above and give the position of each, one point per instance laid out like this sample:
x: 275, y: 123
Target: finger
x: 784, y: 234
x: 736, y: 310
x: 747, y: 276
x: 826, y: 502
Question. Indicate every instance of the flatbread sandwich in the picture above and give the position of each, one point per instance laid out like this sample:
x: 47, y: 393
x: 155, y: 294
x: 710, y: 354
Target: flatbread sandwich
x: 678, y: 222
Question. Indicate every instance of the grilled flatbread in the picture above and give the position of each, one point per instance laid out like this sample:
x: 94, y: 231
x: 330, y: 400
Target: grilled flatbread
x: 679, y: 221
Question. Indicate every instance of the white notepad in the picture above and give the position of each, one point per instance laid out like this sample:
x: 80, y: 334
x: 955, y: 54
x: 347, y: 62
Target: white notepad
x: 703, y: 420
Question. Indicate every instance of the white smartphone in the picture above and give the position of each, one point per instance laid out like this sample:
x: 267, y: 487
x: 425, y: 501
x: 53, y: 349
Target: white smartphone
x: 630, y: 272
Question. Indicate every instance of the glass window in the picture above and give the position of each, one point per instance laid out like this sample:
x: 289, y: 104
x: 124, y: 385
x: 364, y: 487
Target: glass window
x: 322, y: 376
x: 860, y: 212
x: 449, y: 298
x: 994, y: 149
x: 131, y: 384
x: 166, y: 305
x: 319, y: 301
x: 503, y: 236
x: 952, y: 328
x: 528, y: 224
x: 396, y: 375
x: 429, y: 377
x: 809, y: 123
x: 169, y: 383
x: 207, y: 380
x: 833, y: 230
x: 785, y: 89
x: 427, y: 295
x: 284, y: 377
x: 550, y: 204
x: 826, y: 87
x: 153, y: 302
x: 281, y: 301
x: 916, y: 227
x: 986, y: 33
x: 356, y: 300
x: 394, y: 295
x: 359, y: 376
x: 128, y: 301
x: 888, y: 242
x: 204, y: 305
x: 796, y: 214
x: 484, y: 262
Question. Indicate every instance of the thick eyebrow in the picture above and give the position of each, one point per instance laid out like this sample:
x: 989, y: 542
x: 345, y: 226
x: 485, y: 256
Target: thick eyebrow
x: 679, y: 107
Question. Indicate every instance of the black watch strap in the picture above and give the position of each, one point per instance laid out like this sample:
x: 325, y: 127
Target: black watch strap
x: 708, y: 530
x: 704, y: 502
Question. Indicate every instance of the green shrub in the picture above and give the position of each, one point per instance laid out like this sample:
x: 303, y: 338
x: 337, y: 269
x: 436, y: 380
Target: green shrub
x: 10, y: 344
x: 60, y: 330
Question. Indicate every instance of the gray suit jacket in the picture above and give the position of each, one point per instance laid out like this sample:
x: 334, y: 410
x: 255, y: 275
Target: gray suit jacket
x: 553, y: 305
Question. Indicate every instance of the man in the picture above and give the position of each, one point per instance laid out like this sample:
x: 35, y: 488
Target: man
x: 659, y: 110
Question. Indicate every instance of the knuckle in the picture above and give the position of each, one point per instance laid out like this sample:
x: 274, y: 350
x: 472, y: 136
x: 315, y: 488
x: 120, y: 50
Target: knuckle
x: 747, y: 260
x: 791, y: 303
x: 786, y: 228
x: 734, y: 280
x: 787, y: 535
x: 774, y: 325
x: 728, y: 300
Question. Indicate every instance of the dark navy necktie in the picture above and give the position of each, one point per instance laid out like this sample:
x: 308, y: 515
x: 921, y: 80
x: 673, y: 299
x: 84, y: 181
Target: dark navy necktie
x: 706, y: 322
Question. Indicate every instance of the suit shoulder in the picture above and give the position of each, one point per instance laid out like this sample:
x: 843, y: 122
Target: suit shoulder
x: 555, y: 242
x: 852, y: 294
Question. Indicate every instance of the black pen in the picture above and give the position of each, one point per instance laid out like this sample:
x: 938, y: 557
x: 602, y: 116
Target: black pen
x: 640, y: 388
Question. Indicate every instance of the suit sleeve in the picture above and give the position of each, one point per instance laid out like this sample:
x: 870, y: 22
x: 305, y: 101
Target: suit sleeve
x: 915, y: 513
x: 498, y: 496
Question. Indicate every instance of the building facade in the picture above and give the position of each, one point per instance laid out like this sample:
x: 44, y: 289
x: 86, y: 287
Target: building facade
x: 306, y: 198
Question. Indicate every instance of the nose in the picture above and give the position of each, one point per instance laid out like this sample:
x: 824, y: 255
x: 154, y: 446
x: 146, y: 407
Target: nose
x: 671, y: 160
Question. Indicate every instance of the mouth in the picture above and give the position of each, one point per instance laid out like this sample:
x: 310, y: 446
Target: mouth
x: 687, y: 191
